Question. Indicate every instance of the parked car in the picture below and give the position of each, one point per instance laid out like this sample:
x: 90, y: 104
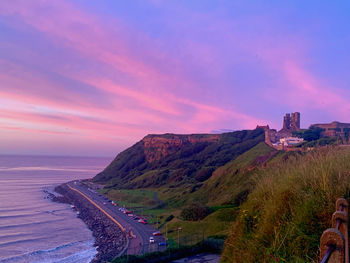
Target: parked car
x: 151, y: 239
x: 142, y: 221
x: 157, y: 233
x: 163, y: 243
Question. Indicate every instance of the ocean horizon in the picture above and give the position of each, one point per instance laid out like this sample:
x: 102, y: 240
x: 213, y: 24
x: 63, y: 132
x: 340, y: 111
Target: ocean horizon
x: 32, y: 227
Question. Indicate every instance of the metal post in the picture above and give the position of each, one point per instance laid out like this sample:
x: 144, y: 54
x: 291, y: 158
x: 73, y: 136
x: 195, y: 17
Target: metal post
x: 166, y: 231
x: 178, y: 236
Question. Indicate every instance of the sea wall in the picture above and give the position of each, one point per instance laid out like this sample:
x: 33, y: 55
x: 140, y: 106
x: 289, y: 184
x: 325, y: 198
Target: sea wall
x: 109, y: 238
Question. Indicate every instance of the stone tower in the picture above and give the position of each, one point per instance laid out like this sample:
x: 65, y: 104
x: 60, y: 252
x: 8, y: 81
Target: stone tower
x: 286, y: 122
x: 291, y: 121
x: 295, y: 121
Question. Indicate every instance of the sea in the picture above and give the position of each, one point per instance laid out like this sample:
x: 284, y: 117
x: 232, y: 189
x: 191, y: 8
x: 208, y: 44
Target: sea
x: 32, y: 227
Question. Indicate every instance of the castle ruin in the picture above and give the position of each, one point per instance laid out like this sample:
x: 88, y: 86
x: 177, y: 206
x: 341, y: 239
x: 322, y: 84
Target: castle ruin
x: 291, y: 121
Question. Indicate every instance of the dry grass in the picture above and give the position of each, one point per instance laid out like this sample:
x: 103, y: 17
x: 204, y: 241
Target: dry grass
x: 290, y: 207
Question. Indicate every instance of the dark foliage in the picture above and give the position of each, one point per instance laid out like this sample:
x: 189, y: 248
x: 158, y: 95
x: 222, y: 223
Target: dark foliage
x: 312, y: 134
x: 195, y: 212
x: 169, y: 218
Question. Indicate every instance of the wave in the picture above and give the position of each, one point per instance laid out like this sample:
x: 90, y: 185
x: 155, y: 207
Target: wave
x: 86, y: 255
x: 30, y: 224
x: 48, y: 168
x: 24, y: 208
x: 22, y: 241
x: 7, y: 236
x: 45, y: 253
x: 22, y: 215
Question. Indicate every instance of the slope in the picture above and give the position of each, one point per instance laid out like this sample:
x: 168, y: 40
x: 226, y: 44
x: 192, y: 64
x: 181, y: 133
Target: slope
x: 173, y: 160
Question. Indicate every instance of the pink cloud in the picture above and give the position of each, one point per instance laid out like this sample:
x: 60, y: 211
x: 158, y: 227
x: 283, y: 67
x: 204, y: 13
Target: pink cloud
x: 315, y: 93
x: 143, y: 105
x: 299, y: 87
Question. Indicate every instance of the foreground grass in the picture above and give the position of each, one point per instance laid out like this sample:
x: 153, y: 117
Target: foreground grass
x: 290, y: 207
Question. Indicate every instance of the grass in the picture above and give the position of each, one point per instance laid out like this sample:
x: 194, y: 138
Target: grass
x: 216, y: 224
x: 133, y: 198
x: 210, y: 245
x: 141, y: 201
x: 233, y: 181
x: 290, y: 207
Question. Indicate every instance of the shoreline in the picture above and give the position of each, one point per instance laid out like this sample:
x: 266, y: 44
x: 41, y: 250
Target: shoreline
x: 110, y: 240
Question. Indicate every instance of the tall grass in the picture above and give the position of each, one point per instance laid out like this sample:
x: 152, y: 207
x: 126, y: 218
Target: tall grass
x: 290, y: 207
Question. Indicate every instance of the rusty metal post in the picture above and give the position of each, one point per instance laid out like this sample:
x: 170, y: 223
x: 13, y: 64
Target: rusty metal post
x: 332, y: 237
x: 341, y: 215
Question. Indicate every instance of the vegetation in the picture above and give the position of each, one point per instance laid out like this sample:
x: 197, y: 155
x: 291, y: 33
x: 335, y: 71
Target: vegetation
x: 192, y: 232
x: 188, y: 163
x: 312, y: 134
x: 195, y: 212
x: 231, y: 183
x: 289, y: 208
x: 213, y: 245
x: 320, y: 142
x: 271, y: 205
x: 133, y: 198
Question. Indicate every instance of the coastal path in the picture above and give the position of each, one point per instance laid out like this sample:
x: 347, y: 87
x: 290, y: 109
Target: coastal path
x: 139, y: 234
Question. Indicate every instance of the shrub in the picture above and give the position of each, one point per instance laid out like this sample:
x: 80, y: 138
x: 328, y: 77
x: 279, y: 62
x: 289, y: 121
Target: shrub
x: 195, y: 212
x: 169, y: 218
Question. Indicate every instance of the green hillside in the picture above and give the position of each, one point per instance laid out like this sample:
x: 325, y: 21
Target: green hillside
x: 174, y: 160
x: 231, y: 183
x: 272, y: 205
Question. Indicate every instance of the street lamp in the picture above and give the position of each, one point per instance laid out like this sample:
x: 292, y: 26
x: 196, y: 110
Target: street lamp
x: 178, y: 236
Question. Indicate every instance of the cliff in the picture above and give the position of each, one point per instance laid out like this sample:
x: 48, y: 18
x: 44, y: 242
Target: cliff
x: 171, y: 158
x: 157, y: 147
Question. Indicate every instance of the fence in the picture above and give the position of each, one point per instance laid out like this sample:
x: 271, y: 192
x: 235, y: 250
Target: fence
x: 334, y: 245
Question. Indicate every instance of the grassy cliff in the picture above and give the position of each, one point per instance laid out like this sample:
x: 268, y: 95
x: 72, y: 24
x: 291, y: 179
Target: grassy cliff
x: 173, y: 160
x: 272, y: 205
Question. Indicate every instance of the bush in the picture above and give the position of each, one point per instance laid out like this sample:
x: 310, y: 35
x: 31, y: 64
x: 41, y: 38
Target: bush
x: 195, y: 212
x: 169, y: 218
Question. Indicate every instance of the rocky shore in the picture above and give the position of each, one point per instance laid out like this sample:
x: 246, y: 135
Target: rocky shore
x: 110, y: 241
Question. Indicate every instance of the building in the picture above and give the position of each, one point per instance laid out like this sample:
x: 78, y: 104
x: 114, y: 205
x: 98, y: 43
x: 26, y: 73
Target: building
x: 290, y: 141
x: 283, y: 138
x: 334, y: 129
x: 291, y: 122
x: 295, y: 121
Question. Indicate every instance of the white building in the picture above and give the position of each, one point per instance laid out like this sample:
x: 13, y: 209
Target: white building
x: 290, y: 141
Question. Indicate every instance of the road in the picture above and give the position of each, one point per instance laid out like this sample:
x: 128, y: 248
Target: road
x: 139, y: 233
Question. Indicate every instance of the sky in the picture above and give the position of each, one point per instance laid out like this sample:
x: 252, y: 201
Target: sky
x: 83, y: 77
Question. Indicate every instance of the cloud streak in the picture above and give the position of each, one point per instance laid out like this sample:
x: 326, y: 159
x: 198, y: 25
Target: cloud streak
x: 116, y: 77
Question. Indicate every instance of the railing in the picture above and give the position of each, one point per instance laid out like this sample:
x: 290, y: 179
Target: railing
x: 334, y: 245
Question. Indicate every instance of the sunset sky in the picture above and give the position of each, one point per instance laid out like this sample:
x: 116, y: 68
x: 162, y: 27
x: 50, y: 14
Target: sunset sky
x: 84, y: 77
